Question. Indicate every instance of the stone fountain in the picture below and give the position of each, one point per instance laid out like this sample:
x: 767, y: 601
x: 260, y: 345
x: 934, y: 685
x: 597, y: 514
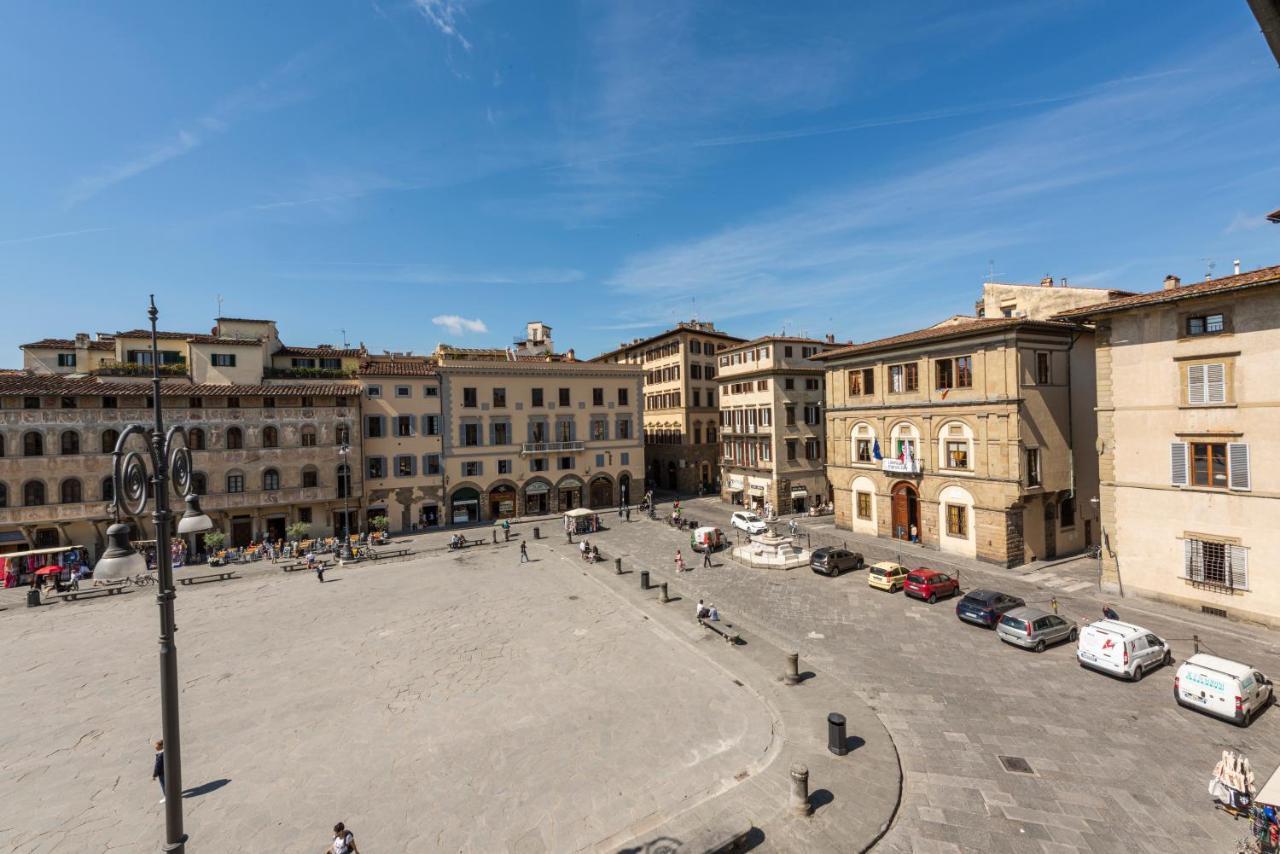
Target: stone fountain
x: 772, y: 551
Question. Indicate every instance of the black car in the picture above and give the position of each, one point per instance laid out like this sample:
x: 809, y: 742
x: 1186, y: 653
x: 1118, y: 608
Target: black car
x: 833, y: 561
x: 986, y: 607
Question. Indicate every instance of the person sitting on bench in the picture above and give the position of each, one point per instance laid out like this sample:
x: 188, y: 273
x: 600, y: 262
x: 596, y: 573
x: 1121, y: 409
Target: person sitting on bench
x: 713, y: 614
x: 701, y: 612
x: 457, y: 541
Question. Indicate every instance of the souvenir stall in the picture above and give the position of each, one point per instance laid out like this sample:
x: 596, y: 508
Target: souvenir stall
x: 581, y: 521
x: 1266, y: 815
x: 19, y: 568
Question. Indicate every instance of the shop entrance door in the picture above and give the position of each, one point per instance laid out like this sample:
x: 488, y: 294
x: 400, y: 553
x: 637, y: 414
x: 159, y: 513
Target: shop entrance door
x: 275, y: 528
x: 906, y: 511
x: 241, y: 531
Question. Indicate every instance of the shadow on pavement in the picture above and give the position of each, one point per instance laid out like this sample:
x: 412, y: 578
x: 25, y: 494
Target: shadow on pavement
x: 205, y: 788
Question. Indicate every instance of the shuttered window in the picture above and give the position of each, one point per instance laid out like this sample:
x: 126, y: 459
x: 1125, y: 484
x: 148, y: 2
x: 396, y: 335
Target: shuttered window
x: 1206, y: 384
x: 1217, y: 565
x: 1178, y: 463
x: 1238, y: 465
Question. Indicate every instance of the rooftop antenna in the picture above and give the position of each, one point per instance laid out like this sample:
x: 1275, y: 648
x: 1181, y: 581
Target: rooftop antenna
x: 219, y: 305
x: 694, y: 300
x: 1208, y: 268
x: 991, y: 269
x: 345, y: 345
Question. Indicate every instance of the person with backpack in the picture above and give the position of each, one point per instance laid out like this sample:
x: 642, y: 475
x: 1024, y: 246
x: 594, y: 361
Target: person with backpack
x: 344, y: 841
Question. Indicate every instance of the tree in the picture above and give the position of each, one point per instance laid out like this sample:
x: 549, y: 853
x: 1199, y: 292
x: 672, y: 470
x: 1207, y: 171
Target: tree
x: 298, y: 530
x: 214, y: 540
x: 381, y: 523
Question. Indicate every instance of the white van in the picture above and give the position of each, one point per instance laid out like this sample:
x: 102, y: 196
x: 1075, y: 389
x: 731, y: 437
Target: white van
x: 1222, y: 688
x: 1121, y: 649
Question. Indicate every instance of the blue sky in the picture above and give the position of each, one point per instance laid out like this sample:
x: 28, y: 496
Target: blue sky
x: 396, y: 167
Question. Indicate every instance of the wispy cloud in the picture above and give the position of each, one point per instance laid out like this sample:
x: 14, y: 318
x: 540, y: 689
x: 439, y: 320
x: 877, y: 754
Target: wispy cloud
x: 396, y: 273
x: 273, y: 90
x: 459, y: 325
x: 52, y: 236
x: 444, y: 14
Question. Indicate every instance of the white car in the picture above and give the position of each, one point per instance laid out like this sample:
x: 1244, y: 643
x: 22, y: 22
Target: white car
x: 1121, y: 649
x: 1222, y: 688
x: 749, y: 522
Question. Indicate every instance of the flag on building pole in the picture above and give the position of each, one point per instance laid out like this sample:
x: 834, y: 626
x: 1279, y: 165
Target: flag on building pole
x: 875, y: 450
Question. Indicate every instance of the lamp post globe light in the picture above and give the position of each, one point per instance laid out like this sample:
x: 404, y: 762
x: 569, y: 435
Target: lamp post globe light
x: 344, y: 452
x: 165, y: 459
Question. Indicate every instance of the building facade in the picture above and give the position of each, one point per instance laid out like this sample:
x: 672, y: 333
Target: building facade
x: 1187, y: 440
x: 974, y: 437
x: 527, y: 431
x: 681, y: 413
x: 403, y: 456
x: 772, y: 427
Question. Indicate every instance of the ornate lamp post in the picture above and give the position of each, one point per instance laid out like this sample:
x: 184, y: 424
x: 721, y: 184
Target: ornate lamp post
x: 344, y: 453
x: 169, y: 460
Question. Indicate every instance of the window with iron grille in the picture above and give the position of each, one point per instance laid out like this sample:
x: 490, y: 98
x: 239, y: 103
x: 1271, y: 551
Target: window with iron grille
x: 1218, y: 565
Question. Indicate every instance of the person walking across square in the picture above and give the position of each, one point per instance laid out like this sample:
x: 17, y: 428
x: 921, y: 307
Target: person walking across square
x: 706, y: 557
x: 524, y: 552
x: 157, y: 770
x: 344, y: 841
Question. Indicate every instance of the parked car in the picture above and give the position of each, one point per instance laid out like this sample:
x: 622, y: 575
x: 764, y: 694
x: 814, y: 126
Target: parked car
x: 986, y: 607
x: 929, y: 584
x: 1031, y: 628
x: 706, y: 539
x: 749, y: 522
x: 833, y: 561
x: 886, y: 575
x: 1121, y: 649
x: 1222, y: 688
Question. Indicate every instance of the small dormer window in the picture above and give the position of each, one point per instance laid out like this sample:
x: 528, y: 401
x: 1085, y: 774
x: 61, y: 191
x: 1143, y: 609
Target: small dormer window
x: 1206, y: 324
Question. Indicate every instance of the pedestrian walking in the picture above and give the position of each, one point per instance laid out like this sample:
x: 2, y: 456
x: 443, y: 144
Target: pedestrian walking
x: 506, y: 530
x: 679, y: 561
x: 706, y: 556
x: 344, y: 841
x: 157, y: 770
x: 524, y: 552
x: 619, y: 511
x: 628, y: 512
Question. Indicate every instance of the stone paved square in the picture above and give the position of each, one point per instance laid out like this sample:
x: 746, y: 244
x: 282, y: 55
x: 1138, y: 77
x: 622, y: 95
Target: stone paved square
x: 451, y: 703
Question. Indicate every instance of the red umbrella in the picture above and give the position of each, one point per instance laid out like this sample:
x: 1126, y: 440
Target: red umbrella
x: 49, y: 570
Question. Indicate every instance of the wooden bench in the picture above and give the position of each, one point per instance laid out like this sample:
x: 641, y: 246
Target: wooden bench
x: 109, y: 588
x: 296, y: 565
x: 377, y: 555
x: 729, y: 635
x: 209, y: 576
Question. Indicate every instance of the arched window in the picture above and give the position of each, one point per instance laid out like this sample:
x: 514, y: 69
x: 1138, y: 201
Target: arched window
x: 235, y: 481
x: 270, y: 480
x: 904, y: 439
x: 235, y: 439
x: 1067, y: 512
x: 108, y: 489
x: 71, y: 492
x: 1, y: 444
x: 4, y: 495
x: 863, y: 448
x: 270, y: 438
x: 344, y: 480
x: 33, y: 493
x: 195, y: 439
x: 109, y: 439
x: 32, y: 445
x: 955, y: 446
x: 308, y: 437
x: 199, y: 483
x: 711, y: 434
x: 70, y: 442
x: 310, y: 477
x: 342, y: 435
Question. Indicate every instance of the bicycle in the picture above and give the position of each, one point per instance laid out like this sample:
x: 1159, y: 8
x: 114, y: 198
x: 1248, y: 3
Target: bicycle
x: 143, y: 580
x: 1093, y: 552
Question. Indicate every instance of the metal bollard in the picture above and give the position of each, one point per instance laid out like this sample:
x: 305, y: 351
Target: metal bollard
x: 537, y: 532
x: 836, y: 741
x: 799, y: 805
x: 495, y: 536
x: 792, y: 676
x: 644, y: 579
x: 665, y: 598
x: 617, y: 566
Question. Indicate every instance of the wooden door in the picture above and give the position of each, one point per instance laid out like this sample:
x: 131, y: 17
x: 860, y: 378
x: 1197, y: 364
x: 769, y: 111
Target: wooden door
x: 901, y: 513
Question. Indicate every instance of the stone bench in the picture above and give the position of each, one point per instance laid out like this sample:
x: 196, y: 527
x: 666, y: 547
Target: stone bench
x: 109, y: 588
x: 378, y: 555
x: 727, y: 632
x: 295, y: 565
x: 209, y: 576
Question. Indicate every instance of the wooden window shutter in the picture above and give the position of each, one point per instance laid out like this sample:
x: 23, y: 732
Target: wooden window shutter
x: 1195, y: 384
x: 1189, y: 560
x: 1238, y: 465
x: 1239, y: 557
x: 1215, y: 381
x: 1178, y: 463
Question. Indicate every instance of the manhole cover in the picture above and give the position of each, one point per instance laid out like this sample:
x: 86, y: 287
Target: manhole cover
x: 1016, y: 765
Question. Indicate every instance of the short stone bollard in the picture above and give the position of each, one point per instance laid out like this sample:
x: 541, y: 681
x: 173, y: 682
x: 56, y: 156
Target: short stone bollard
x: 799, y: 805
x: 665, y: 598
x: 495, y: 536
x: 792, y: 676
x: 537, y: 532
x: 837, y: 743
x: 644, y: 579
x: 617, y: 566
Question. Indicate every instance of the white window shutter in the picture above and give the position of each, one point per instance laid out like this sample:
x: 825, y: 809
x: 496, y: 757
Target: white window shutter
x: 1239, y: 567
x: 1238, y: 465
x: 1188, y: 559
x: 1195, y: 384
x: 1178, y: 463
x: 1215, y: 380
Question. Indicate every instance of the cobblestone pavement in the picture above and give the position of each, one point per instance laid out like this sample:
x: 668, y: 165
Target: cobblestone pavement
x: 456, y: 702
x: 1116, y: 766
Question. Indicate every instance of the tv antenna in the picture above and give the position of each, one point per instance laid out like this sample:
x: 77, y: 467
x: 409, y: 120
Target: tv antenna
x: 344, y: 338
x: 1209, y: 264
x: 219, y: 305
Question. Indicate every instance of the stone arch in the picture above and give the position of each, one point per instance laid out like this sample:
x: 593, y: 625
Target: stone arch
x: 502, y: 499
x: 955, y: 445
x: 109, y: 439
x: 70, y: 491
x: 862, y: 443
x: 601, y: 490
x: 859, y: 523
x: 535, y: 496
x: 465, y: 503
x: 33, y: 493
x: 956, y: 521
x: 32, y: 444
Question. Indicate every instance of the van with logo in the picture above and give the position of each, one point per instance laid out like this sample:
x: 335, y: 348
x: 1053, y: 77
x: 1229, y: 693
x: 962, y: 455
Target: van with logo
x: 1121, y: 649
x: 1223, y: 688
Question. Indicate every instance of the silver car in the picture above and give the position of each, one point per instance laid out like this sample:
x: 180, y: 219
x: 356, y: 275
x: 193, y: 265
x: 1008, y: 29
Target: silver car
x: 1031, y: 628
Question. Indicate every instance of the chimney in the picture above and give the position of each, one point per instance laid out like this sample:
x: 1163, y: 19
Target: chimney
x: 82, y: 339
x: 831, y: 338
x: 1063, y: 282
x: 1046, y: 282
x: 568, y: 357
x: 1236, y: 265
x: 1171, y: 282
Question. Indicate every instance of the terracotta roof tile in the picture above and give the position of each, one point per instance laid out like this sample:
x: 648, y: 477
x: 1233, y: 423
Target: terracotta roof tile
x: 398, y: 368
x: 328, y: 352
x: 1257, y: 278
x: 933, y: 333
x: 192, y: 338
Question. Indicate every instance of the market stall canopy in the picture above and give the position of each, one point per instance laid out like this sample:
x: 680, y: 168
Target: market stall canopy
x: 579, y: 513
x: 49, y: 570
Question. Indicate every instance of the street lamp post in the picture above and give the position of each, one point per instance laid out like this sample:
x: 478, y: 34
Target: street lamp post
x: 345, y: 552
x: 170, y: 460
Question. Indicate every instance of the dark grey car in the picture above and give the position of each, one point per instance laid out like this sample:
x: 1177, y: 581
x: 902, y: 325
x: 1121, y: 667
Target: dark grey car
x: 1031, y: 628
x: 833, y: 561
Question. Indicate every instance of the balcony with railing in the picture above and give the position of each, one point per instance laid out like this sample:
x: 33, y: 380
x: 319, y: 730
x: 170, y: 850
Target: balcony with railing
x: 137, y: 369
x: 551, y: 447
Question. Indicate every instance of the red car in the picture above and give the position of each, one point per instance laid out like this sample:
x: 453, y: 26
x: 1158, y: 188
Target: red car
x: 930, y: 585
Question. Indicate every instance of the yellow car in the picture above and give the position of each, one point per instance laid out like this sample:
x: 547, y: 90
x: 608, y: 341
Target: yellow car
x: 887, y: 575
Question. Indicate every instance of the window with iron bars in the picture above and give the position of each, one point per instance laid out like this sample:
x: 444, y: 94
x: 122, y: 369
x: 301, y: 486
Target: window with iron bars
x: 1219, y: 566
